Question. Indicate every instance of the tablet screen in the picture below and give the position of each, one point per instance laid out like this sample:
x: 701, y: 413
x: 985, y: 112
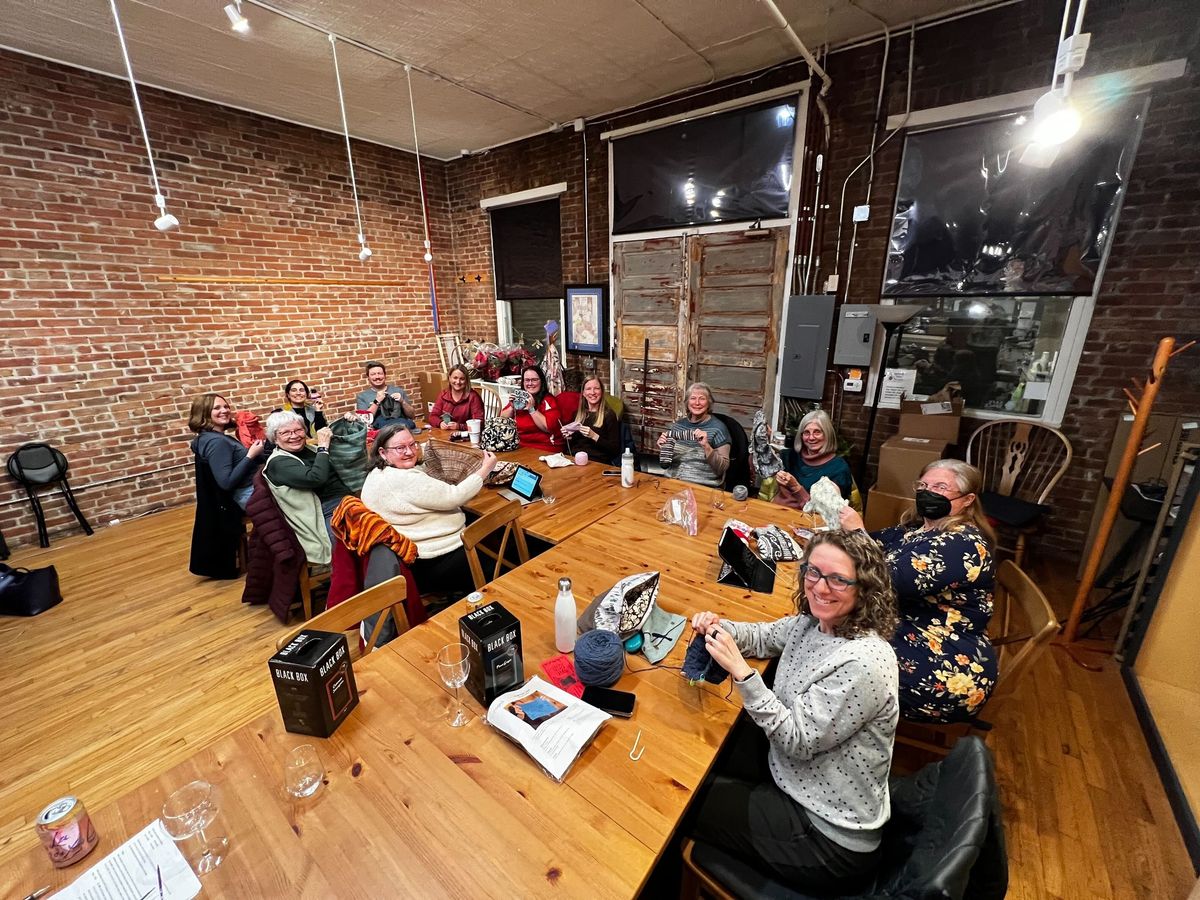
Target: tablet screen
x: 525, y: 482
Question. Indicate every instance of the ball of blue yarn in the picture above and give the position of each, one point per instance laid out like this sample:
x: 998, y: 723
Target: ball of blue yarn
x: 599, y: 658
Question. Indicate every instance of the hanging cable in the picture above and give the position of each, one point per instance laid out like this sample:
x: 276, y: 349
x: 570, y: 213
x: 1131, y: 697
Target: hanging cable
x: 165, y: 221
x: 365, y: 252
x: 412, y: 109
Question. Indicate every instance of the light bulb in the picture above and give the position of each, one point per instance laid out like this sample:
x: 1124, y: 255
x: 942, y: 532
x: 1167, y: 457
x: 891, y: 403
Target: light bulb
x: 428, y: 256
x: 237, y: 21
x: 166, y: 222
x: 365, y: 253
x: 1055, y: 119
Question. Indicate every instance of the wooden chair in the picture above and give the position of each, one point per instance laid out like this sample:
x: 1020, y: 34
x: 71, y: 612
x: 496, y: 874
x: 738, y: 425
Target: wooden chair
x: 506, y: 518
x: 492, y: 403
x: 309, y: 579
x: 346, y: 616
x: 1023, y: 622
x: 1021, y: 462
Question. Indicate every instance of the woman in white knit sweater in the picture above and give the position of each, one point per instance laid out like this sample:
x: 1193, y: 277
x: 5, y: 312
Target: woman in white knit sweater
x: 423, y: 509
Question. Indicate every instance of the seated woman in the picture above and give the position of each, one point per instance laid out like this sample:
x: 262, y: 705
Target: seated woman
x: 596, y: 429
x: 804, y: 795
x: 458, y: 403
x: 304, y: 483
x: 538, y: 426
x: 297, y: 399
x: 941, y: 563
x: 423, y: 509
x: 696, y: 448
x: 814, y: 457
x: 224, y: 481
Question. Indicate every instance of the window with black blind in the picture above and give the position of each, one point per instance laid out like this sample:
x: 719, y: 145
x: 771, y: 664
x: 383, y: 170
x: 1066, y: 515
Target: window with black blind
x: 527, y: 251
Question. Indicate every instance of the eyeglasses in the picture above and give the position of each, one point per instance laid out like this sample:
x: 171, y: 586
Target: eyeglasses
x: 836, y: 583
x: 290, y: 432
x: 407, y: 448
x: 939, y: 488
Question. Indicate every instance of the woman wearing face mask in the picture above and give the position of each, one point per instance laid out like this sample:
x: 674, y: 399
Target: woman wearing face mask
x: 296, y: 398
x: 596, y: 429
x: 815, y: 458
x: 941, y: 562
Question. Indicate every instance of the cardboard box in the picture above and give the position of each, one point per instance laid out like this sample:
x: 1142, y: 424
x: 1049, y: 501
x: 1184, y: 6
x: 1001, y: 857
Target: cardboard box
x: 929, y: 419
x: 493, y: 638
x: 885, y: 510
x: 430, y: 384
x: 314, y: 682
x: 901, y: 459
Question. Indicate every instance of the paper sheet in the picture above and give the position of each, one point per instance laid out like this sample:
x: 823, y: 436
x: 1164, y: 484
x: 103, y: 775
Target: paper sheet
x: 898, y: 385
x: 131, y: 871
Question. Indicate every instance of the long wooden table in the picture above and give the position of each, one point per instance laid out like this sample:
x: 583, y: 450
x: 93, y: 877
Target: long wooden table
x: 416, y: 808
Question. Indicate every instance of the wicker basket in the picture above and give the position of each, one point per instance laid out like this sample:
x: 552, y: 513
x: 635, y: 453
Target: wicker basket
x: 450, y: 463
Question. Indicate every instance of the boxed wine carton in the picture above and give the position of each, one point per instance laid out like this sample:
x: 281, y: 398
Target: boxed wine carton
x: 492, y: 636
x: 314, y: 682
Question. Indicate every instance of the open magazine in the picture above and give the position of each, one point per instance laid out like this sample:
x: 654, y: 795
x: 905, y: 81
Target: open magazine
x: 553, y: 726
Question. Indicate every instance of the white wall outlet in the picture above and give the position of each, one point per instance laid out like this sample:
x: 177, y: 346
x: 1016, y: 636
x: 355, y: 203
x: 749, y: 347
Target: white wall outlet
x: 853, y: 384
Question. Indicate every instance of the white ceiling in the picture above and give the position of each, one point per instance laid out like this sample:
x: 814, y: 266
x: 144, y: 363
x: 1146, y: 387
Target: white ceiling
x: 484, y: 71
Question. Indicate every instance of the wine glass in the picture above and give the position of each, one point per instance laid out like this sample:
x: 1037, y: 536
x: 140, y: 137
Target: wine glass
x: 304, y: 771
x: 191, y: 812
x: 453, y: 665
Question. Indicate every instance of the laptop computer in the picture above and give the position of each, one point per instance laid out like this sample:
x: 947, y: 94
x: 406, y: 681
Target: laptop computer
x: 525, y: 487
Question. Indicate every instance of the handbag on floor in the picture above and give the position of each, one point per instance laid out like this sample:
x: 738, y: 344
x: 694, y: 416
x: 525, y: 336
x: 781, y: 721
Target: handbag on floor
x: 25, y: 592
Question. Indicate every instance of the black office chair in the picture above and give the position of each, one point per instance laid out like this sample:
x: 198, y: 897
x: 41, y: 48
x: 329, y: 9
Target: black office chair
x: 945, y: 840
x: 35, y: 466
x: 739, y: 453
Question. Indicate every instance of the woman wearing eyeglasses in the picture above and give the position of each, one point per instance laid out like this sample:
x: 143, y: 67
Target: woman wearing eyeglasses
x: 804, y: 795
x: 941, y: 562
x: 539, y: 421
x: 423, y: 509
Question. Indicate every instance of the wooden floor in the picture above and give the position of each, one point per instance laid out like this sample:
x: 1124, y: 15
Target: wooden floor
x: 120, y: 682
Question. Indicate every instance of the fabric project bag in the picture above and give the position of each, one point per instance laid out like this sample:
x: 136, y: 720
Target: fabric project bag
x: 348, y: 452
x: 742, y: 566
x: 25, y: 592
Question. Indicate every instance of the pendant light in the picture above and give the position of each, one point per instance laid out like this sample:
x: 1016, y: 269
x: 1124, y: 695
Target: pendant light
x: 365, y: 252
x: 1055, y: 118
x: 237, y: 21
x: 433, y: 304
x: 165, y: 221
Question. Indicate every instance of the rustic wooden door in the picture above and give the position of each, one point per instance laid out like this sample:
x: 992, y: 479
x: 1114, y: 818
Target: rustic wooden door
x: 648, y: 287
x: 735, y: 294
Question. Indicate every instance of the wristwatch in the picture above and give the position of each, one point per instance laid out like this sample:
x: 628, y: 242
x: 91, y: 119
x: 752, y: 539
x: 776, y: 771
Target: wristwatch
x: 322, y: 449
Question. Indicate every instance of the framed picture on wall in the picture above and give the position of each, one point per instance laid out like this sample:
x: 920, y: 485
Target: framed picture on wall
x: 587, y: 318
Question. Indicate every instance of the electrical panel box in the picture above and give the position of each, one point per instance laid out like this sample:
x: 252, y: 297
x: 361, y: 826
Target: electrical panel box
x: 855, y: 335
x: 805, y: 351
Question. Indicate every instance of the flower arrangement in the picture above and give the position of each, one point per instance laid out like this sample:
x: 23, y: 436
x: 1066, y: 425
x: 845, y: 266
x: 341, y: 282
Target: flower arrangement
x: 489, y: 361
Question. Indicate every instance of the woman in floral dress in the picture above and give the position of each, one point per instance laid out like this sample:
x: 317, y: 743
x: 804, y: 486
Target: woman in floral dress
x: 941, y: 563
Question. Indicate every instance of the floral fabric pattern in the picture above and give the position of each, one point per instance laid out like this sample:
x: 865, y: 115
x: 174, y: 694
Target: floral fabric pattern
x: 943, y: 582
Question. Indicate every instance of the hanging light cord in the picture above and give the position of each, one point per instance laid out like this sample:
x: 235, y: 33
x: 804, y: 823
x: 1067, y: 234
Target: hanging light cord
x: 417, y: 150
x: 159, y: 200
x: 362, y: 238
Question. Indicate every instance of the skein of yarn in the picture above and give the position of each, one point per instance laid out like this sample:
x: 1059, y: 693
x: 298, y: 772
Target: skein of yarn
x: 740, y: 492
x: 599, y: 658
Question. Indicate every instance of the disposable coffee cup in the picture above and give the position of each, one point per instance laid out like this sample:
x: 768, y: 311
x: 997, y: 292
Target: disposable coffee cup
x: 473, y: 427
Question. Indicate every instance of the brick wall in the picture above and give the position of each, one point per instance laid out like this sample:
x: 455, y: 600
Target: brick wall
x: 1152, y: 284
x: 101, y: 357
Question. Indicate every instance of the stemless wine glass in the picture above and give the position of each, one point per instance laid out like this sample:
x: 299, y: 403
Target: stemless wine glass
x: 304, y: 772
x: 190, y: 817
x: 453, y: 665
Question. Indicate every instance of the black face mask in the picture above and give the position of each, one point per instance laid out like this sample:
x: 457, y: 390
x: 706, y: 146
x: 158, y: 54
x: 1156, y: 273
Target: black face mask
x: 931, y: 505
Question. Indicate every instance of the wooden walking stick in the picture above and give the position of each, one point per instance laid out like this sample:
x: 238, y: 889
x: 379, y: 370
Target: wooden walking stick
x: 1141, y: 416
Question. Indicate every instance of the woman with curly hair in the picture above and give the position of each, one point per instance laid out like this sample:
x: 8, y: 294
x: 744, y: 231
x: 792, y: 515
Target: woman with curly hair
x: 805, y: 794
x: 941, y: 563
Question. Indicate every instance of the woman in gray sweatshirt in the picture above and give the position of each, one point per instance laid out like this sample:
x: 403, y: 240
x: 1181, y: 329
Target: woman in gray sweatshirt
x: 803, y: 792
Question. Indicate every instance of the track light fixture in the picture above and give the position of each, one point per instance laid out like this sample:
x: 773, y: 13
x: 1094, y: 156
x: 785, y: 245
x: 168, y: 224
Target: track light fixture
x: 165, y: 221
x: 237, y: 21
x: 364, y: 252
x: 1055, y: 118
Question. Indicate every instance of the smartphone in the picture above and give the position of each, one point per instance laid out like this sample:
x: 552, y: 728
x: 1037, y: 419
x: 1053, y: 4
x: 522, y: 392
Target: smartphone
x: 618, y: 703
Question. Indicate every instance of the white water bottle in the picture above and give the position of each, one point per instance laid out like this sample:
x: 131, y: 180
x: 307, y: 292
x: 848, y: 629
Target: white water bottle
x: 627, y: 468
x: 564, y: 617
